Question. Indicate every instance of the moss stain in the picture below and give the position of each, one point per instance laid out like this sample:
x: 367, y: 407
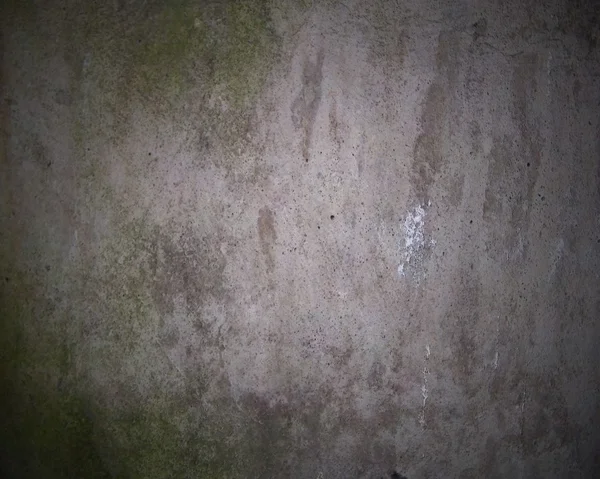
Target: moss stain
x: 160, y: 60
x: 165, y: 57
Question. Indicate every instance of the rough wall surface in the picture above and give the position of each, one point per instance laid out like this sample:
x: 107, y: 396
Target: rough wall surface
x: 300, y: 239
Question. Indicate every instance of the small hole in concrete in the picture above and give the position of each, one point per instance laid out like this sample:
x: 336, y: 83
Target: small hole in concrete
x: 332, y: 217
x: 528, y: 164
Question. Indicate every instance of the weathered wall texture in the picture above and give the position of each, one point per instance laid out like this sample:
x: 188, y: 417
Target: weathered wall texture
x: 300, y: 239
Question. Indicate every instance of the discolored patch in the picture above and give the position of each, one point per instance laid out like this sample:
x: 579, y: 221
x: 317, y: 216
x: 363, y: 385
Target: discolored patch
x: 427, y: 150
x: 466, y: 349
x: 334, y: 127
x: 375, y: 378
x: 447, y: 60
x: 511, y: 181
x: 267, y: 235
x: 387, y: 44
x: 306, y: 104
x: 461, y: 325
x: 63, y: 97
x: 479, y: 29
x: 190, y: 267
x: 546, y: 427
x: 456, y: 188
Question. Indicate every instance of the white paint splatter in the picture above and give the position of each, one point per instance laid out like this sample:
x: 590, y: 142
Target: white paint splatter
x: 414, y: 238
x: 425, y: 395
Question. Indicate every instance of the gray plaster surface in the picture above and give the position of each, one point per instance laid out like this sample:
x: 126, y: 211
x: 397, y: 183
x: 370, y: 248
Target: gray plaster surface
x: 300, y: 239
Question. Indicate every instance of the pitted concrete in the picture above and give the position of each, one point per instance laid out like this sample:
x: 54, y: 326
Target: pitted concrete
x: 300, y: 239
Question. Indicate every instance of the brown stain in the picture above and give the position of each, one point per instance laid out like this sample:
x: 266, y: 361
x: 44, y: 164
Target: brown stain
x: 428, y: 151
x: 387, y: 50
x: 361, y: 153
x: 479, y: 29
x: 267, y: 235
x: 306, y: 105
x: 426, y: 158
x: 334, y: 125
x: 463, y: 320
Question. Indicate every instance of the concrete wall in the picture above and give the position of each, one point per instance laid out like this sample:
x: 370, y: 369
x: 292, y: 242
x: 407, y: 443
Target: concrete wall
x: 300, y: 239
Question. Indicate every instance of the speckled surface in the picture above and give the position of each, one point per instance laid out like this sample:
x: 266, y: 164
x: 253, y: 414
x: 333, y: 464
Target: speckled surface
x: 300, y: 239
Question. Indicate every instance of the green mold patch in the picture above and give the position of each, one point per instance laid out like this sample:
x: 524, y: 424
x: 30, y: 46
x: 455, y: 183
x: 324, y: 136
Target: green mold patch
x: 244, y: 55
x: 86, y: 385
x: 197, y: 65
x: 138, y: 422
x: 148, y: 430
x: 148, y: 442
x: 59, y: 423
x: 158, y: 425
x: 46, y: 430
x: 167, y: 48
